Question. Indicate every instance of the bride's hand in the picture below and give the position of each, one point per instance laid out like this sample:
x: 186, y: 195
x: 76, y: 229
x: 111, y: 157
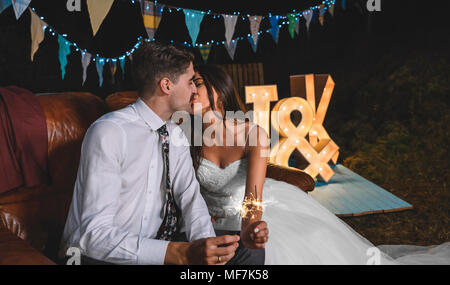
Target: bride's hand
x: 255, y: 235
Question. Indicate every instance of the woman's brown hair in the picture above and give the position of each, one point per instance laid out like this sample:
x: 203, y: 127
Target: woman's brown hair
x: 216, y: 79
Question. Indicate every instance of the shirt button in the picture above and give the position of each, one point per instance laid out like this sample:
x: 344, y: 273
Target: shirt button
x: 145, y: 218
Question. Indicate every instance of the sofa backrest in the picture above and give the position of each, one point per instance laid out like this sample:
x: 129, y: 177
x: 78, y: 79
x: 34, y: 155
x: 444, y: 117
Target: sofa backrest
x: 38, y: 214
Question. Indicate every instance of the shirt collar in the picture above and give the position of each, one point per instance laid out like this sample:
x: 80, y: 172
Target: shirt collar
x: 147, y: 114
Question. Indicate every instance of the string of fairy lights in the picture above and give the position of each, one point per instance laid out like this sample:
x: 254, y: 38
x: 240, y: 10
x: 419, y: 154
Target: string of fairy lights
x: 140, y: 40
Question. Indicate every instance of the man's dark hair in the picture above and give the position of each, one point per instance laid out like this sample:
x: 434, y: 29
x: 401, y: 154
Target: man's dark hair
x: 154, y: 61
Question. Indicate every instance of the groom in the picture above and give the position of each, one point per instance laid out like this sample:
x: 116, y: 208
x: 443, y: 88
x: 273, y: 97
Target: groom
x: 136, y: 198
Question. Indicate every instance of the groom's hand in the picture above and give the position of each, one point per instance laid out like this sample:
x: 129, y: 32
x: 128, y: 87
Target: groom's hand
x: 208, y: 250
x: 255, y: 235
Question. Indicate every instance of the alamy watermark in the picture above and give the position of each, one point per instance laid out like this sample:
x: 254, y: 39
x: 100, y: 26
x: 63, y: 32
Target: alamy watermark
x: 374, y: 256
x: 373, y: 5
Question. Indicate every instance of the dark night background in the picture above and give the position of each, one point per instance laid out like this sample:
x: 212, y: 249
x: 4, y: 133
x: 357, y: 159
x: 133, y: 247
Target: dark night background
x: 389, y: 112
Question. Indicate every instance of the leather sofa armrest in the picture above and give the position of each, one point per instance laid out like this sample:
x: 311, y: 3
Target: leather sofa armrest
x: 15, y: 251
x: 291, y: 175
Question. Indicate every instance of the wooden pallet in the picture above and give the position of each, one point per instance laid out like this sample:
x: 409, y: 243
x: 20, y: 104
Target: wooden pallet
x: 349, y: 194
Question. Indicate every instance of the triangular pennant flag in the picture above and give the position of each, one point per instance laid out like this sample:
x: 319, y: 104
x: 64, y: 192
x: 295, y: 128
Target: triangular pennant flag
x: 19, y: 7
x: 331, y: 9
x: 230, y: 23
x: 85, y: 60
x: 315, y: 17
x: 98, y: 9
x: 193, y: 20
x: 292, y: 23
x: 151, y: 14
x: 343, y: 3
x: 4, y: 4
x: 231, y: 48
x: 113, y: 68
x: 297, y: 27
x: 99, y: 64
x: 275, y: 30
x: 308, y: 17
x: 204, y: 51
x: 64, y: 50
x: 322, y: 11
x: 37, y: 32
x: 255, y: 22
x: 122, y: 66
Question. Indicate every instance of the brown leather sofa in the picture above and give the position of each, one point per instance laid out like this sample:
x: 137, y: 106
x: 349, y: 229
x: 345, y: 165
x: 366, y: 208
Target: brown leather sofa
x: 32, y: 219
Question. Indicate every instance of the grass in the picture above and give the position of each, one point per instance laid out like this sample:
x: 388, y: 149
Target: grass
x: 398, y: 137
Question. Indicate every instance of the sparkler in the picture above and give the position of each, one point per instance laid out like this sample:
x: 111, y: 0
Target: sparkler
x: 250, y: 205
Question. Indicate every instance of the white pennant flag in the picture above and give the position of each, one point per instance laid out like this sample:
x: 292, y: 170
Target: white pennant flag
x: 308, y: 14
x: 37, y: 32
x: 98, y: 9
x: 230, y: 23
x: 19, y: 7
x: 85, y: 60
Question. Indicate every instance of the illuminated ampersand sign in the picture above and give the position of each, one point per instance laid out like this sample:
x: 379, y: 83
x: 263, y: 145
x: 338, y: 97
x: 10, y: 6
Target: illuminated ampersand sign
x: 293, y: 137
x: 320, y: 149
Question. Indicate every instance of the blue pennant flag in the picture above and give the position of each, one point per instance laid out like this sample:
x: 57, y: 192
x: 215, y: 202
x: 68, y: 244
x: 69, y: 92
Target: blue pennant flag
x: 275, y: 31
x: 64, y: 50
x: 193, y: 20
x: 4, y: 4
x: 122, y: 65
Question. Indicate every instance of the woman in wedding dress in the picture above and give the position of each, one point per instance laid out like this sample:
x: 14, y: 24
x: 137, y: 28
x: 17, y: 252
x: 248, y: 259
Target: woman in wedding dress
x: 301, y: 230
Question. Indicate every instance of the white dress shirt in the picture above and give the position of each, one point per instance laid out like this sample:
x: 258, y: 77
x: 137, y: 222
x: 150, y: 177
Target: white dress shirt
x: 119, y: 197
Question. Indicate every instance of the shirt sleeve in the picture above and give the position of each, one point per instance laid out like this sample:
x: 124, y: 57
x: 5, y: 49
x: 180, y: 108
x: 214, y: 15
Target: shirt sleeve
x: 99, y: 186
x: 195, y: 215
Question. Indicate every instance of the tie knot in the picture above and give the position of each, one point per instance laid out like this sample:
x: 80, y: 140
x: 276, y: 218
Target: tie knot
x: 163, y: 131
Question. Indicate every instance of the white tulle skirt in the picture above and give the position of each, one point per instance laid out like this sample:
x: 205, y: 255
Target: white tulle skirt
x: 302, y: 231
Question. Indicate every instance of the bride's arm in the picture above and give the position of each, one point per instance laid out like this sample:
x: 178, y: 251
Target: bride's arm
x: 257, y: 151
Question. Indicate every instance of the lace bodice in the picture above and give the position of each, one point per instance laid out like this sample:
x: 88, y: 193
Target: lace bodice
x: 223, y: 190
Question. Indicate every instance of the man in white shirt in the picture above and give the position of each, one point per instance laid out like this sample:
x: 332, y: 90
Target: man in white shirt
x: 119, y: 202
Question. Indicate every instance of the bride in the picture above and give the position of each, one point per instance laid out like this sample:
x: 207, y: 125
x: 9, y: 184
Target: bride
x: 241, y: 199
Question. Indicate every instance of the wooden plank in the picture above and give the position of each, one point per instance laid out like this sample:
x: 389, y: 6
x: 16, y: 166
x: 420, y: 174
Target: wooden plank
x: 240, y: 78
x: 382, y: 194
x: 261, y: 73
x: 245, y: 78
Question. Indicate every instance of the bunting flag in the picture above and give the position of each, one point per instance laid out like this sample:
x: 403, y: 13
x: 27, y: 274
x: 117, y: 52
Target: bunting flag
x: 322, y: 11
x: 297, y: 27
x: 37, y: 32
x: 230, y: 23
x: 231, y: 48
x: 85, y: 60
x: 204, y: 51
x: 64, y: 50
x: 98, y: 9
x: 113, y: 68
x: 343, y: 4
x: 331, y: 10
x: 99, y: 64
x: 293, y: 19
x: 308, y: 17
x: 122, y: 66
x: 255, y: 22
x: 4, y: 4
x: 20, y: 6
x: 193, y: 20
x: 275, y: 30
x: 151, y: 14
